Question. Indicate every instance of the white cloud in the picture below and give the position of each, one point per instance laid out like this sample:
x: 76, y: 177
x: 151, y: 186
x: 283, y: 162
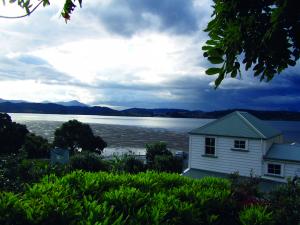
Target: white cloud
x: 148, y: 57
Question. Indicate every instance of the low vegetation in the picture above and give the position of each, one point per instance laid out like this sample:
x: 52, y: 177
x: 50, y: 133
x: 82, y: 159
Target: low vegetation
x: 103, y: 198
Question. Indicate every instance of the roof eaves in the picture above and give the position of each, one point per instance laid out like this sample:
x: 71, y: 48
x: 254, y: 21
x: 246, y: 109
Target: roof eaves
x: 281, y: 160
x: 230, y: 136
x: 210, y: 123
x: 251, y: 126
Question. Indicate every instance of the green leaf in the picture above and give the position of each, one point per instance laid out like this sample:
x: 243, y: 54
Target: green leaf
x: 258, y: 71
x: 237, y: 65
x: 212, y: 71
x: 248, y: 65
x: 234, y: 73
x: 206, y: 48
x: 215, y: 60
x: 219, y: 80
x: 211, y: 42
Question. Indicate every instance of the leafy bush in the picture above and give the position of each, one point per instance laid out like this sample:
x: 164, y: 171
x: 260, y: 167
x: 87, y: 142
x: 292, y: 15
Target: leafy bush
x: 158, y: 148
x: 103, y: 198
x: 36, y: 146
x: 245, y: 190
x: 285, y: 203
x: 167, y: 163
x: 256, y: 215
x: 88, y: 162
x: 127, y: 163
x: 16, y: 172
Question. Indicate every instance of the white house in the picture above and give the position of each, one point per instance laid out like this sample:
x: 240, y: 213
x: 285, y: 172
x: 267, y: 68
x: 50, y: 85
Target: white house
x: 240, y: 142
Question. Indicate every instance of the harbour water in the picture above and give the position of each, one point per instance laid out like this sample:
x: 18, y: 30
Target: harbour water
x: 124, y: 134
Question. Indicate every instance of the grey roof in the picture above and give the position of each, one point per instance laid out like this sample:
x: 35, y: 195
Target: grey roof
x: 284, y: 152
x: 238, y: 124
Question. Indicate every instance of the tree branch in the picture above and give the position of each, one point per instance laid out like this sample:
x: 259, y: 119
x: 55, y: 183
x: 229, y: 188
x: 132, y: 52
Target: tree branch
x: 27, y: 14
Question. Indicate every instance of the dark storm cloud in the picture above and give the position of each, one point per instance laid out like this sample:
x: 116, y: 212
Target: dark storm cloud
x: 127, y: 17
x: 192, y: 92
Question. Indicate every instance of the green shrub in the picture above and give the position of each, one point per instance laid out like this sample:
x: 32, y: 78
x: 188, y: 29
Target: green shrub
x: 127, y: 163
x: 36, y: 146
x: 155, y: 149
x: 103, y: 198
x: 16, y: 172
x: 256, y: 215
x: 88, y: 162
x: 245, y: 190
x: 285, y: 203
x: 167, y: 163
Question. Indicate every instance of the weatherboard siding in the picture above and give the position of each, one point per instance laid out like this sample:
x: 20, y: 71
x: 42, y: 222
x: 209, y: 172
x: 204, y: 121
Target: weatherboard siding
x: 227, y: 161
x: 291, y: 169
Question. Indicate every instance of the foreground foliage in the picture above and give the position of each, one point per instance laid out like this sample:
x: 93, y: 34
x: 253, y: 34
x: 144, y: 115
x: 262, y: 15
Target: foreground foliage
x: 103, y: 198
x: 144, y: 198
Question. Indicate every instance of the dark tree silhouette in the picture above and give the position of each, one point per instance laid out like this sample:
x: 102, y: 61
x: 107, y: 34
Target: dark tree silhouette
x: 36, y: 146
x: 12, y: 135
x: 76, y: 136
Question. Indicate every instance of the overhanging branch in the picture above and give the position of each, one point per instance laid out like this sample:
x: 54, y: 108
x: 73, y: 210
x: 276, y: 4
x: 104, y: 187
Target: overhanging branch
x: 22, y: 16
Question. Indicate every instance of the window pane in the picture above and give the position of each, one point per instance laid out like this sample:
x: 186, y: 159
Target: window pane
x: 239, y: 144
x: 210, y: 146
x: 274, y: 169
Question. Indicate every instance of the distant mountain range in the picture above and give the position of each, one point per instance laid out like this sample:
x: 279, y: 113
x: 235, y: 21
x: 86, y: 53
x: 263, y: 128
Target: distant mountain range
x: 69, y: 103
x: 75, y: 107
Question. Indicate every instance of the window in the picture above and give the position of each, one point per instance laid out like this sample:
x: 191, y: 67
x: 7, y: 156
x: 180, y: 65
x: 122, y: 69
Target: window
x: 210, y: 146
x: 274, y: 169
x: 240, y: 144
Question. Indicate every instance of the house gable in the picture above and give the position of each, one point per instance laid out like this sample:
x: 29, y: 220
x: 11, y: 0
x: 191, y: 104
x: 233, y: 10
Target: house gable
x: 238, y: 124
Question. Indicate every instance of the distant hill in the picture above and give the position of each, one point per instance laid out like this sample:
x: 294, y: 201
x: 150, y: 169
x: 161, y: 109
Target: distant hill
x: 13, y: 101
x: 51, y: 108
x: 71, y: 103
x: 54, y: 108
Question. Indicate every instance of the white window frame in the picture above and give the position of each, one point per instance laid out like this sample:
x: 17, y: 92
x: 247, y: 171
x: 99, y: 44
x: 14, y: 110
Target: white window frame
x: 272, y: 174
x: 210, y: 146
x: 243, y: 149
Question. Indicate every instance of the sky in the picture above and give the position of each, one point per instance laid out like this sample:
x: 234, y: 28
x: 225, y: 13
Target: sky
x: 125, y: 54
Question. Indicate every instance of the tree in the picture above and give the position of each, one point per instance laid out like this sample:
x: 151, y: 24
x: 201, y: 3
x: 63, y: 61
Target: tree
x: 155, y: 149
x: 12, y: 135
x: 264, y: 34
x: 77, y: 136
x: 68, y: 8
x: 36, y: 146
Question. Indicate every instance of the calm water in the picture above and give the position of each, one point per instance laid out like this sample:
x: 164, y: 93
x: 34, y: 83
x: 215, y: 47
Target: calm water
x: 173, y: 124
x: 171, y: 129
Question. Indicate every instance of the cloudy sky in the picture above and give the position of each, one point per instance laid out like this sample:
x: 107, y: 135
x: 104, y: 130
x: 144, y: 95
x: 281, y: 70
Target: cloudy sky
x: 127, y: 53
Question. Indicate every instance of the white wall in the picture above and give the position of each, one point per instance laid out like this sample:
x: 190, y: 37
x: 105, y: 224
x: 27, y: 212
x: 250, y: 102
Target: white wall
x: 227, y: 161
